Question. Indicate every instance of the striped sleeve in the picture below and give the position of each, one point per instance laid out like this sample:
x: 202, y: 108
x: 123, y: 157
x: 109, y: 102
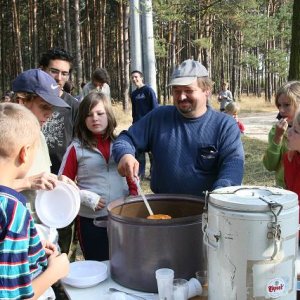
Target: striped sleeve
x: 21, y: 253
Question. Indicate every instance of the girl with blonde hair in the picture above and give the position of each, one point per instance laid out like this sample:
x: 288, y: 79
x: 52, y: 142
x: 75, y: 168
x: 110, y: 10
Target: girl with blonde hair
x: 287, y: 101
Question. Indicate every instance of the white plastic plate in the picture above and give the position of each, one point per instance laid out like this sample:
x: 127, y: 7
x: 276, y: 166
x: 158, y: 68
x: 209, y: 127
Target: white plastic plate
x: 59, y: 207
x: 86, y: 273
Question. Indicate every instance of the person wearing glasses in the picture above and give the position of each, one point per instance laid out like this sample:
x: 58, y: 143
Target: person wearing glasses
x: 59, y: 129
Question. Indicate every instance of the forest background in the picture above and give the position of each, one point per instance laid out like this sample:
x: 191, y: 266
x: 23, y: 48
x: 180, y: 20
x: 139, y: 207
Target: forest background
x: 249, y: 43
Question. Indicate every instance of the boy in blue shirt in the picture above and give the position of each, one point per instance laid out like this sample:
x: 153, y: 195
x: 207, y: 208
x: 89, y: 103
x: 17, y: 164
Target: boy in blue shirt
x: 143, y: 100
x: 27, y: 267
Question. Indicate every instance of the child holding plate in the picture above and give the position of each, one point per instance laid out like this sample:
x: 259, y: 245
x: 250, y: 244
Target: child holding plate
x: 28, y: 266
x: 89, y: 162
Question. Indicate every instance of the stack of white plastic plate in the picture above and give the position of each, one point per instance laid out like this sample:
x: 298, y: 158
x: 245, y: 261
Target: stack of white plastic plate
x: 86, y: 273
x: 59, y: 207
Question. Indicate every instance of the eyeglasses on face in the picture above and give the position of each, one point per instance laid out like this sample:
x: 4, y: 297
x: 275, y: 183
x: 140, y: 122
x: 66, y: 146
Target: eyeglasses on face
x: 56, y: 72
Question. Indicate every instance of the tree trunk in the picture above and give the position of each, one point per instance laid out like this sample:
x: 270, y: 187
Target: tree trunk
x: 18, y: 51
x: 68, y: 28
x: 87, y: 50
x: 35, y: 34
x: 120, y: 54
x: 78, y: 65
x: 294, y: 71
x: 126, y: 56
x: 64, y: 24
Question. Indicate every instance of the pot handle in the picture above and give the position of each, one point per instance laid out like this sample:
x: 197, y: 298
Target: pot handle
x: 207, y: 233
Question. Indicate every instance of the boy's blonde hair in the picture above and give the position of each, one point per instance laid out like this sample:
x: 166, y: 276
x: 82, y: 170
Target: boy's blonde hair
x: 292, y: 90
x: 232, y: 108
x: 18, y: 127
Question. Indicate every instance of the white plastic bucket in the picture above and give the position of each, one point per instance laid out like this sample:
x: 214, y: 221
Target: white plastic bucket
x: 252, y: 238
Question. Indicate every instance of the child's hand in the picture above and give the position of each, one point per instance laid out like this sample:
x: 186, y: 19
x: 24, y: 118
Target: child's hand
x: 101, y: 204
x: 280, y: 129
x: 49, y: 248
x: 59, y: 264
x: 91, y: 200
x: 42, y: 181
x: 66, y: 179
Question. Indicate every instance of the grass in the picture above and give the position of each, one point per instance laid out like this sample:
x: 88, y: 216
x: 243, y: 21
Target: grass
x: 249, y: 104
x: 255, y: 173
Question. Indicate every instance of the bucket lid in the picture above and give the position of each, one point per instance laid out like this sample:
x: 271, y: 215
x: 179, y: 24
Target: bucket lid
x: 252, y: 198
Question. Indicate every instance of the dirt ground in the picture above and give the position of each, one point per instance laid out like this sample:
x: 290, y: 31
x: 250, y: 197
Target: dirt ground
x: 258, y: 125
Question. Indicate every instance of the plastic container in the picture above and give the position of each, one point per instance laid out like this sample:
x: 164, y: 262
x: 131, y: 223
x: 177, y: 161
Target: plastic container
x: 252, y: 239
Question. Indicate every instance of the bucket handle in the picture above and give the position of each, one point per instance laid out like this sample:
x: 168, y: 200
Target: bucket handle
x: 207, y: 232
x: 206, y: 240
x: 242, y: 188
x: 275, y: 233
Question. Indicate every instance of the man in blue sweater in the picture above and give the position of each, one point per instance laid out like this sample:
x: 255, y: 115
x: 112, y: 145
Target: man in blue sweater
x: 194, y: 147
x: 143, y: 100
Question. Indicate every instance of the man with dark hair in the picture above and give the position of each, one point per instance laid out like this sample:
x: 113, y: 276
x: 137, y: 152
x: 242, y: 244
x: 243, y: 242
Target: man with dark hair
x: 100, y: 82
x: 59, y: 129
x: 143, y: 100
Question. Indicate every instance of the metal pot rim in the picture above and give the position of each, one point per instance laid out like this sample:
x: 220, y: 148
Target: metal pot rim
x: 154, y: 197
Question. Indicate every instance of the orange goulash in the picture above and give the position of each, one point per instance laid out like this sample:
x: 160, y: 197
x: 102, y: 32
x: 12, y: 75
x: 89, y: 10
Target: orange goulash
x: 159, y: 217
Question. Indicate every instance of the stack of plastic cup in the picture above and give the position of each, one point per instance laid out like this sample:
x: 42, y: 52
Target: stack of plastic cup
x: 180, y: 289
x: 203, y: 279
x: 195, y: 288
x: 164, y: 278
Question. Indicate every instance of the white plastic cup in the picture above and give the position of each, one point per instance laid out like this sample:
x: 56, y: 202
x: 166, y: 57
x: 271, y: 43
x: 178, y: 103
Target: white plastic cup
x: 164, y: 278
x: 180, y: 289
x: 195, y: 288
x: 203, y: 279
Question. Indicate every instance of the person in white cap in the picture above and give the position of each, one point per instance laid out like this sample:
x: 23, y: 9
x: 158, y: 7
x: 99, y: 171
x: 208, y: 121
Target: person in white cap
x: 194, y: 147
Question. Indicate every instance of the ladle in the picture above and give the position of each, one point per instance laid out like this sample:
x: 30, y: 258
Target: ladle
x: 141, y: 193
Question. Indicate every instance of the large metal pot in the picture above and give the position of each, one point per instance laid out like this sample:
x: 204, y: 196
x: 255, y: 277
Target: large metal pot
x: 139, y: 246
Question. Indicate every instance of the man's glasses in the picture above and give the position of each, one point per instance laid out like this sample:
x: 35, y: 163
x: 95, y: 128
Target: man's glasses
x: 56, y: 72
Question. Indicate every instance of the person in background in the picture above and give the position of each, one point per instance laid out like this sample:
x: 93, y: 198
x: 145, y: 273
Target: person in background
x: 69, y: 87
x: 7, y: 97
x: 194, y: 148
x: 225, y: 96
x: 89, y: 160
x: 143, y: 100
x: 25, y: 270
x: 233, y: 109
x: 100, y: 82
x: 79, y: 97
x: 287, y: 101
x: 59, y: 130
